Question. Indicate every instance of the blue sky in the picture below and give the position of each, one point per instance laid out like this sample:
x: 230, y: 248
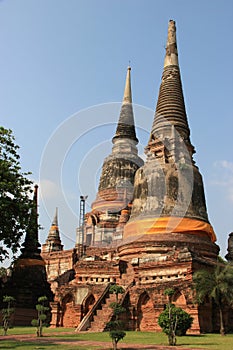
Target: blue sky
x: 62, y: 75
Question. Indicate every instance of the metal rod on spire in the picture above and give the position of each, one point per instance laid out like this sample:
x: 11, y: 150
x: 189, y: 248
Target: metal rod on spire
x: 82, y: 223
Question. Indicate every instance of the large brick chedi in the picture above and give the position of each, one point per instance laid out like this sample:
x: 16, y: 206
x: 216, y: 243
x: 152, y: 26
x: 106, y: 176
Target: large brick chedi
x: 169, y: 201
x: 168, y: 236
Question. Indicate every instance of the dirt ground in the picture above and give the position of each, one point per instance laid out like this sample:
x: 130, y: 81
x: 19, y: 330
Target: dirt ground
x: 104, y: 345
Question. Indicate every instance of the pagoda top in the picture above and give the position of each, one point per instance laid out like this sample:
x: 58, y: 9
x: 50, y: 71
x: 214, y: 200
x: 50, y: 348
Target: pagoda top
x: 125, y: 127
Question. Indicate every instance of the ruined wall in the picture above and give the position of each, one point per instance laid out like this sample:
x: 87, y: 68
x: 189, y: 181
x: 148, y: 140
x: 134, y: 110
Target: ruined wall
x: 57, y: 263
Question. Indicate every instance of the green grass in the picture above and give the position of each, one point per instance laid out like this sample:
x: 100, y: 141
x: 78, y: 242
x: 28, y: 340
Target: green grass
x: 207, y: 341
x: 32, y: 330
x: 131, y: 337
x: 16, y: 345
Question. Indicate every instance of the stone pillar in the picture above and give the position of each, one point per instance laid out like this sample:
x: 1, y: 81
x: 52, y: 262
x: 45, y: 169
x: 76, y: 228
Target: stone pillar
x: 195, y: 329
x: 56, y: 314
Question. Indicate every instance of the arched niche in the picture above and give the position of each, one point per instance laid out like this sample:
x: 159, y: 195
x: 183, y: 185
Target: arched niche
x: 88, y: 303
x: 145, y: 313
x: 179, y: 299
x: 67, y: 306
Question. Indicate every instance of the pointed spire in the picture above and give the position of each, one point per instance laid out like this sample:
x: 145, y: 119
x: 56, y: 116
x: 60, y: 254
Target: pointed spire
x: 171, y: 57
x: 35, y: 196
x: 170, y: 109
x: 31, y: 245
x: 53, y: 242
x: 125, y: 127
x: 127, y: 98
x: 54, y: 230
x: 55, y: 219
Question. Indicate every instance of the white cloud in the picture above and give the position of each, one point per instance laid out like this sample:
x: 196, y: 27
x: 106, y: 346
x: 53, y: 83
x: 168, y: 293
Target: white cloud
x: 48, y: 189
x: 231, y: 195
x: 227, y: 165
x: 223, y: 176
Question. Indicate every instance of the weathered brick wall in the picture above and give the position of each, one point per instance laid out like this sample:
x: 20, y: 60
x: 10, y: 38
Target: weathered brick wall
x: 71, y: 315
x: 59, y: 262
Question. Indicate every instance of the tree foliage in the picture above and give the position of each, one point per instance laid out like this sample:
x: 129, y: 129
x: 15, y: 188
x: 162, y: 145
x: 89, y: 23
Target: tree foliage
x: 117, y: 308
x: 216, y: 284
x: 115, y: 325
x: 15, y: 189
x: 174, y: 320
x: 116, y: 289
x: 180, y: 320
x: 3, y: 274
x: 7, y: 312
x: 116, y: 336
x: 42, y: 310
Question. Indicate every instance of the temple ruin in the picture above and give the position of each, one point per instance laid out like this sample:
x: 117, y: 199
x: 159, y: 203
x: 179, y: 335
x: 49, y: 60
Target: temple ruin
x: 148, y: 228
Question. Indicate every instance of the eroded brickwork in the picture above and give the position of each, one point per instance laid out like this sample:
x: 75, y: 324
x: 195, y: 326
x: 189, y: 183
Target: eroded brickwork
x: 144, y: 280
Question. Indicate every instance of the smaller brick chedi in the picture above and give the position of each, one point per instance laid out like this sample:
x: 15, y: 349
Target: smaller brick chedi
x: 53, y: 242
x: 28, y: 281
x: 111, y: 210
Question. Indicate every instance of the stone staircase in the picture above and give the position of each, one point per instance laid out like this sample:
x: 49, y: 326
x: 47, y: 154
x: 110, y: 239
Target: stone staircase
x: 101, y: 312
x: 85, y: 324
x: 105, y: 314
x: 102, y: 315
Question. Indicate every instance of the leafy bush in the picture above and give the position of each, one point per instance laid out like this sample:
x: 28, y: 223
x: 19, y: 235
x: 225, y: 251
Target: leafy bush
x: 180, y: 320
x: 42, y: 311
x: 115, y: 325
x: 7, y: 312
x: 116, y: 336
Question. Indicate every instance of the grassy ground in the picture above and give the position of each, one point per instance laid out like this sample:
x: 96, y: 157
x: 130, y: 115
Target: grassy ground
x: 207, y: 341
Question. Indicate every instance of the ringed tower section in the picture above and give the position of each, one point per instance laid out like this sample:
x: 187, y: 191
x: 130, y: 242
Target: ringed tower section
x: 115, y: 190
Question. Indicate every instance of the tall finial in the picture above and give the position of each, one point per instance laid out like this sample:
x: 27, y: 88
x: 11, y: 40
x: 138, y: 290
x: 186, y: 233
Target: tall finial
x: 125, y: 126
x: 35, y: 197
x: 127, y: 98
x: 31, y: 245
x: 171, y: 57
x: 55, y: 219
x: 53, y: 242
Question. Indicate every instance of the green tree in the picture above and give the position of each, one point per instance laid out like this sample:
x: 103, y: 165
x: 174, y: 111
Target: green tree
x: 116, y: 335
x: 216, y: 284
x: 15, y: 189
x: 7, y: 312
x: 115, y: 325
x: 3, y: 274
x: 42, y: 310
x: 180, y: 321
x: 174, y: 320
x: 116, y: 289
